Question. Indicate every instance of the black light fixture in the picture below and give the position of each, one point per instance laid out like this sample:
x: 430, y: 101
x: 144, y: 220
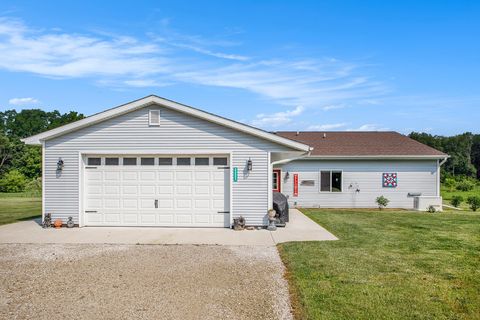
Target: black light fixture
x: 60, y: 165
x: 287, y: 175
x: 249, y: 164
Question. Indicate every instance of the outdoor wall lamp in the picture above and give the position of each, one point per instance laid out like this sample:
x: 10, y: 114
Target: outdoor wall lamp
x: 287, y: 175
x: 60, y: 165
x: 249, y: 164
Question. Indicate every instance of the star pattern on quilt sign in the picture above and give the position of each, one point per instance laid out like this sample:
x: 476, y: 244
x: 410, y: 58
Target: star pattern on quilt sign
x: 390, y: 180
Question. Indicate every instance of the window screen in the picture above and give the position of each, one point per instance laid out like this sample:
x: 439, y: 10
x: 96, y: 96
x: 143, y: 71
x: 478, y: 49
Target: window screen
x: 202, y: 161
x: 129, y: 161
x: 165, y: 161
x: 111, y: 161
x: 94, y: 161
x: 336, y: 181
x: 183, y: 161
x: 147, y: 161
x: 325, y: 181
x: 220, y: 161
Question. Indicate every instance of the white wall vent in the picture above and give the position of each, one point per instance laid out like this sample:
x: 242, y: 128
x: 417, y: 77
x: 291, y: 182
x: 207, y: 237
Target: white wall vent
x: 154, y: 118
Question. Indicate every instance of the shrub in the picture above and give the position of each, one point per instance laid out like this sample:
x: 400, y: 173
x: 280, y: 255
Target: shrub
x: 456, y: 201
x: 382, y: 202
x: 465, y: 185
x: 474, y: 202
x: 34, y: 186
x: 449, y: 183
x: 13, y: 181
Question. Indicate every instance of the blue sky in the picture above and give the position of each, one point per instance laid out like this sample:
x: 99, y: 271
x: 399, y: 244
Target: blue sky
x: 278, y: 65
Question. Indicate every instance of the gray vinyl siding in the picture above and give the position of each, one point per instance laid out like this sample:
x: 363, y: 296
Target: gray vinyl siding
x: 366, y: 175
x: 177, y: 131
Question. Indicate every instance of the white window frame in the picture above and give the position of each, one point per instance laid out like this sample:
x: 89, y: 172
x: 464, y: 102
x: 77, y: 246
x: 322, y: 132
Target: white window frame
x: 320, y: 180
x: 150, y: 123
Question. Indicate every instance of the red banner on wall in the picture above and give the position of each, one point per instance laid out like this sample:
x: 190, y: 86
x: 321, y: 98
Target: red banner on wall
x: 295, y: 184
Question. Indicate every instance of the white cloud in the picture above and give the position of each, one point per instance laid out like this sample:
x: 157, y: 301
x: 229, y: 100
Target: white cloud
x: 124, y: 61
x: 333, y: 107
x: 370, y: 127
x: 277, y: 119
x: 22, y: 101
x: 325, y: 127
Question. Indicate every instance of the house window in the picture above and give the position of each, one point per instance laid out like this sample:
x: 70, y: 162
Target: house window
x: 147, y: 161
x: 154, y: 118
x: 220, y: 161
x: 111, y: 161
x: 129, y: 161
x: 202, y: 161
x: 94, y: 161
x: 330, y: 181
x: 183, y: 161
x: 165, y: 161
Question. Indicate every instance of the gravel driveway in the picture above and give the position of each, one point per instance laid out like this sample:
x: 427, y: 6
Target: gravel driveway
x: 141, y: 282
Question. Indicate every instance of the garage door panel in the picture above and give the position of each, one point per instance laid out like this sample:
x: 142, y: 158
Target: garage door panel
x: 129, y: 190
x: 112, y: 176
x: 148, y: 175
x: 144, y: 190
x: 183, y: 176
x: 165, y: 190
x: 130, y: 175
x: 111, y: 190
x: 186, y: 195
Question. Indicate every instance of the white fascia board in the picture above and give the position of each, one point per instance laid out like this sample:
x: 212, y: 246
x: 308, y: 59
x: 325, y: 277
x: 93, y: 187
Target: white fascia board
x: 379, y: 157
x: 111, y: 113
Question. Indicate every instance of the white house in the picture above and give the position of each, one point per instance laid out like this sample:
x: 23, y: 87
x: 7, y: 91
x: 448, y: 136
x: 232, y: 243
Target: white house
x: 155, y: 162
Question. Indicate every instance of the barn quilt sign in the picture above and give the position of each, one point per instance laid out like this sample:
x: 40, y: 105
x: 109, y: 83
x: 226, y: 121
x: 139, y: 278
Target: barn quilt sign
x: 390, y: 180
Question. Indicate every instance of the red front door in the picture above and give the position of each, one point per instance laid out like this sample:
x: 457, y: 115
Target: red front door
x: 277, y: 181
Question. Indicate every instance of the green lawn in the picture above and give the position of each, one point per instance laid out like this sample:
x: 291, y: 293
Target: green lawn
x: 387, y: 265
x: 19, y: 206
x: 448, y: 194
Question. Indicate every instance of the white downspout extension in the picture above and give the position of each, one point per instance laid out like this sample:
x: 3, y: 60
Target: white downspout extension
x: 439, y: 164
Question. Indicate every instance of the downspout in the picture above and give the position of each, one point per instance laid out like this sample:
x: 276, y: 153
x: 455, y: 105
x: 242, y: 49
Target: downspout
x: 439, y: 164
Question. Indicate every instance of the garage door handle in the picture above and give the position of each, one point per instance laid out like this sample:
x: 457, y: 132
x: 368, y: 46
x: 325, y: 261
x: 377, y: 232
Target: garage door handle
x: 156, y: 204
x: 223, y: 211
x: 223, y: 167
x: 91, y: 211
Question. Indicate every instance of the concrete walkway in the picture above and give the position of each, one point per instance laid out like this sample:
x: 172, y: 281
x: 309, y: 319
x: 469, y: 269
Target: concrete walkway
x: 300, y: 228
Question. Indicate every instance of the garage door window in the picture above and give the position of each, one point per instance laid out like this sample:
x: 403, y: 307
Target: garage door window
x: 147, y: 161
x: 202, y: 161
x: 94, y: 161
x: 129, y: 161
x: 183, y: 161
x: 165, y: 161
x: 111, y: 161
x: 220, y: 161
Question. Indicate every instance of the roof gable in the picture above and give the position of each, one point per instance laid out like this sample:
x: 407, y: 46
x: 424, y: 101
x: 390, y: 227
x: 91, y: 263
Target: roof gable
x: 375, y: 144
x: 152, y: 99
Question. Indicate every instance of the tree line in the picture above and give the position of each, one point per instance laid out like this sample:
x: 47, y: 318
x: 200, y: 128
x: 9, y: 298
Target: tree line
x: 21, y: 165
x: 463, y: 149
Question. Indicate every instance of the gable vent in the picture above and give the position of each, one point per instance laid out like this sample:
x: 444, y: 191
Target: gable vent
x: 154, y: 117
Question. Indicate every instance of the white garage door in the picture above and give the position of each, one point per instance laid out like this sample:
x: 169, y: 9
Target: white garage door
x: 157, y: 191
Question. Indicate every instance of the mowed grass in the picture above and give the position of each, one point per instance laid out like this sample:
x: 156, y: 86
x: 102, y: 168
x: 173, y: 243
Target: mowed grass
x: 447, y: 195
x: 387, y: 265
x: 19, y: 207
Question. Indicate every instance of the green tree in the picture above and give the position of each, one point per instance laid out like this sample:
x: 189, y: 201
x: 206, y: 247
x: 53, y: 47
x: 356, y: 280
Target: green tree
x: 13, y: 181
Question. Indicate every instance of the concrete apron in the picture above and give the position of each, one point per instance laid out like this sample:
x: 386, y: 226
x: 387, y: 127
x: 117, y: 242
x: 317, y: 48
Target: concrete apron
x: 300, y: 228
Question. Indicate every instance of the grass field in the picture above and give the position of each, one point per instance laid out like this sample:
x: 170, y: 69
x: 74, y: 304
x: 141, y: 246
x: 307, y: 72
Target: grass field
x: 387, y: 265
x: 448, y: 194
x: 19, y: 206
